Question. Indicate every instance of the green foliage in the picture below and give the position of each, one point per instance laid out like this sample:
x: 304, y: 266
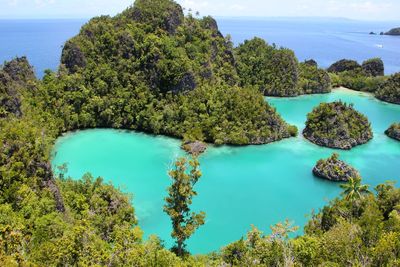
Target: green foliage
x: 271, y: 70
x: 184, y: 175
x: 337, y: 125
x: 357, y: 80
x: 139, y: 76
x: 16, y: 77
x: 354, y: 190
x: 275, y: 72
x: 344, y: 65
x: 368, y: 77
x: 347, y: 232
x: 390, y: 90
x: 313, y: 80
x: 166, y: 15
x: 152, y: 69
x: 373, y: 67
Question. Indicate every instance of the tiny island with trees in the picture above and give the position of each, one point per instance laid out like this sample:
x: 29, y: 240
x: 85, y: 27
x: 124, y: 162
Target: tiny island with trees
x: 337, y: 125
x: 153, y: 69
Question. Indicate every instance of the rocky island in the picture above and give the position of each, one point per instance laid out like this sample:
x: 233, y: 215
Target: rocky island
x: 390, y: 90
x: 394, y: 131
x: 194, y: 148
x: 276, y: 71
x: 334, y: 169
x: 394, y: 32
x: 337, y: 125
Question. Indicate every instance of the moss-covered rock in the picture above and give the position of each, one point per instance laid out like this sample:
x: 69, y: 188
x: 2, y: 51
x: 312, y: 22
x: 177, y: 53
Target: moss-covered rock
x: 394, y: 131
x: 313, y: 80
x: 337, y: 125
x: 344, y: 65
x: 389, y: 91
x: 334, y: 169
x: 373, y: 67
x: 272, y: 70
x: 14, y: 78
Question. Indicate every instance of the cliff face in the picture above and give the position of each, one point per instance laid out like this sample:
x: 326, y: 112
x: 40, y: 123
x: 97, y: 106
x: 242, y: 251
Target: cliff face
x: 14, y: 77
x: 337, y: 125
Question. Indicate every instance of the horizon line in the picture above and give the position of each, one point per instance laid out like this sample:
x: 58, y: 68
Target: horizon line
x: 216, y: 16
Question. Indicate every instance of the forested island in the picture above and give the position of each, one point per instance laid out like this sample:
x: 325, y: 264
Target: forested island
x: 394, y: 32
x: 394, y: 131
x: 153, y: 69
x: 337, y: 125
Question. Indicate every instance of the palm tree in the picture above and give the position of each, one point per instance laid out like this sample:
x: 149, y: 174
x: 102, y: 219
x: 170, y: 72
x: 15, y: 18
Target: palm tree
x: 354, y: 190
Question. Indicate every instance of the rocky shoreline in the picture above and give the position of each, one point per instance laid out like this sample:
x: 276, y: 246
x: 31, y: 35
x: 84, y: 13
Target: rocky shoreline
x: 333, y: 169
x: 394, y: 131
x: 344, y: 144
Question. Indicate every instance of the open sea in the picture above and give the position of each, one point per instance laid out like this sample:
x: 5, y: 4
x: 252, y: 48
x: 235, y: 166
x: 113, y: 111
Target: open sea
x: 325, y: 40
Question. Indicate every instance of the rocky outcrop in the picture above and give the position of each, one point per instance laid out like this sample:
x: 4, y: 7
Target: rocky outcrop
x: 344, y: 65
x: 394, y: 32
x: 72, y: 57
x: 50, y: 183
x: 394, y: 131
x: 373, y: 67
x: 390, y: 90
x: 14, y: 78
x: 19, y: 70
x: 334, y: 169
x: 337, y: 125
x: 187, y: 83
x: 194, y: 147
x: 311, y: 62
x: 313, y: 80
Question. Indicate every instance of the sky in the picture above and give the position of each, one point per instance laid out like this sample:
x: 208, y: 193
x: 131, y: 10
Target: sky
x: 352, y: 9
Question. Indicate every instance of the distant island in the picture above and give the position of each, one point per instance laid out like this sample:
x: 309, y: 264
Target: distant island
x: 394, y: 32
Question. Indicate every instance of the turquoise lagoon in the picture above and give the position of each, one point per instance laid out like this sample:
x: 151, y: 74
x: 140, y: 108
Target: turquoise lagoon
x: 241, y: 186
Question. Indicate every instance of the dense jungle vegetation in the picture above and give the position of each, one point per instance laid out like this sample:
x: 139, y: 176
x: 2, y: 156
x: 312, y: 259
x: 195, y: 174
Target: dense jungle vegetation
x: 153, y: 69
x: 337, y: 125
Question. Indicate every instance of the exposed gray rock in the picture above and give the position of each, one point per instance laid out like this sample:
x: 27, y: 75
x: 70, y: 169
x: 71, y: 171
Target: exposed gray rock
x: 394, y: 131
x: 334, y: 169
x: 194, y: 147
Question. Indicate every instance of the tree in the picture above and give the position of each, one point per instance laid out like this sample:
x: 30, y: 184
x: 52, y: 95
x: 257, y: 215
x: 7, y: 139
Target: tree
x: 185, y: 175
x: 354, y: 190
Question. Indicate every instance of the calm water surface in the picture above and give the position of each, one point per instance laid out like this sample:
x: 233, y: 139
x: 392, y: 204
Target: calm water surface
x: 258, y: 185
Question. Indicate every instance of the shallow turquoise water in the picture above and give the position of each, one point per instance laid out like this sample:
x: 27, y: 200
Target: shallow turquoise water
x: 258, y: 185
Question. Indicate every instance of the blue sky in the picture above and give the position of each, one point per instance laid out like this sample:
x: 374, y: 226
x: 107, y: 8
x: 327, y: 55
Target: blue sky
x: 354, y: 9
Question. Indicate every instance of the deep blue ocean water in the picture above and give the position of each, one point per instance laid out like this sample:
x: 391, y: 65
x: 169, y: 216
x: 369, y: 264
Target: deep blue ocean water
x: 324, y: 40
x: 40, y: 40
